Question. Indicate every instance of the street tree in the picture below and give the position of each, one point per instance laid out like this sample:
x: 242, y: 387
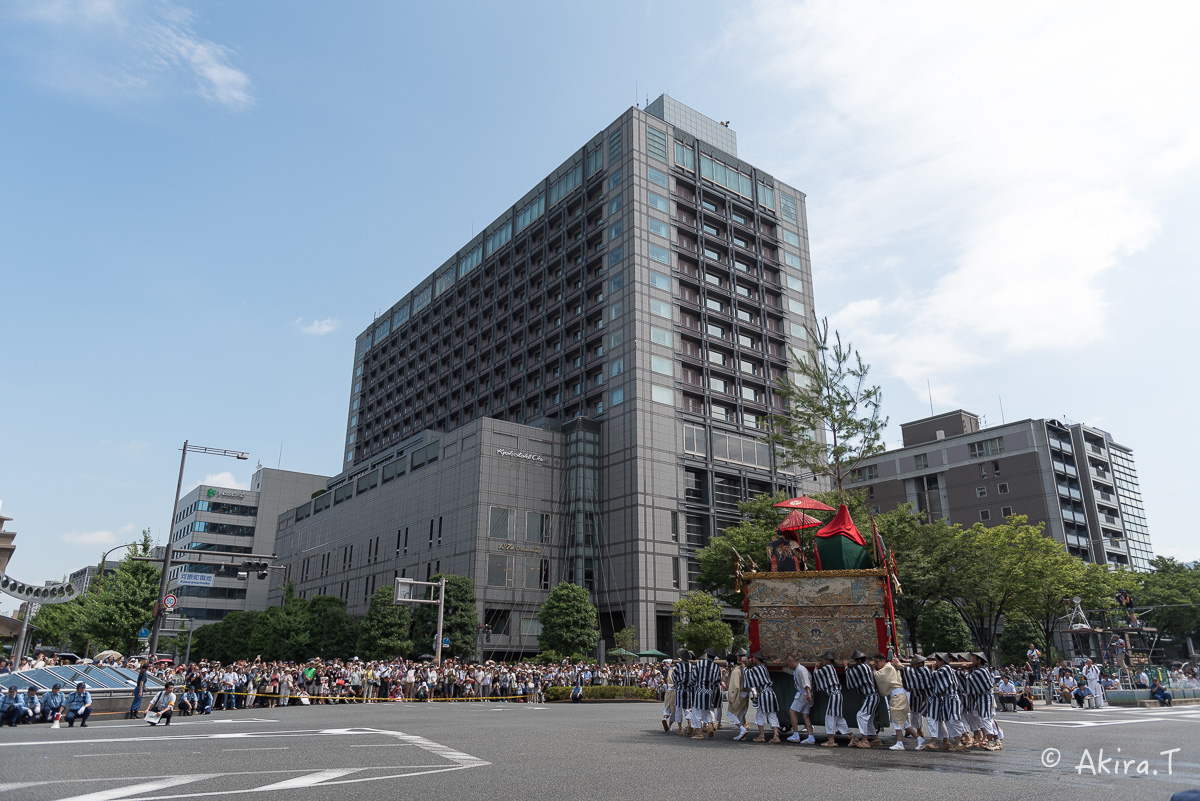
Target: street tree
x: 749, y: 537
x: 461, y: 620
x: 626, y: 639
x: 1014, y: 641
x: 284, y: 632
x: 698, y: 624
x: 117, y: 606
x: 941, y: 628
x: 569, y: 621
x: 831, y: 420
x: 1174, y: 588
x: 383, y: 632
x: 993, y: 571
x: 334, y: 632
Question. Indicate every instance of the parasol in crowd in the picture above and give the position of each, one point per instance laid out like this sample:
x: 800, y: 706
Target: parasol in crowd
x: 804, y: 502
x: 109, y: 654
x: 653, y: 653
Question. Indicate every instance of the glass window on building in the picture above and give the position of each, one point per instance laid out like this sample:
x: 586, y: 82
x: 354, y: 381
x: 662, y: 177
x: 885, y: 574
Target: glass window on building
x: 537, y: 527
x: 499, y: 572
x: 502, y: 523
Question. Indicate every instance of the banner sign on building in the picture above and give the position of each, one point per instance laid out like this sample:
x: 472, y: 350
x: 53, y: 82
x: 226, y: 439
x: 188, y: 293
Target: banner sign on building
x: 194, y: 580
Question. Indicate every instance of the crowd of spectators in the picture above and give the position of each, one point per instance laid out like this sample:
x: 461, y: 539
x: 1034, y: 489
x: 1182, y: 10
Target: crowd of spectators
x: 204, y: 686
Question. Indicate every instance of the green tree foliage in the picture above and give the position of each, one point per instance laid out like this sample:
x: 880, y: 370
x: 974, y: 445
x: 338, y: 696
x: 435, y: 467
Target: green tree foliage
x: 284, y: 632
x: 569, y: 621
x: 225, y: 641
x: 335, y: 632
x: 461, y: 619
x: 1174, y: 588
x: 111, y: 612
x: 384, y: 630
x: 941, y: 628
x: 698, y: 624
x: 1014, y: 641
x: 58, y: 624
x: 749, y: 537
x: 627, y: 638
x: 914, y: 544
x: 830, y: 395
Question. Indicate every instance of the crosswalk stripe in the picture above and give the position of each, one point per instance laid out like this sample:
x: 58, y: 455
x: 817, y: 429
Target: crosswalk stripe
x: 307, y: 780
x: 138, y: 789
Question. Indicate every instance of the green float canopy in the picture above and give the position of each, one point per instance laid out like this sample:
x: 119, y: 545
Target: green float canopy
x: 840, y: 546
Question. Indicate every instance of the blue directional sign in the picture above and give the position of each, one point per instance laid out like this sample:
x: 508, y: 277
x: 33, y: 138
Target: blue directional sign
x: 445, y: 641
x: 144, y: 633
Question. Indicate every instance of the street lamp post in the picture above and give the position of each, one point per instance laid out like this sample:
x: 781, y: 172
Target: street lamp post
x: 104, y: 561
x: 152, y: 648
x: 191, y: 624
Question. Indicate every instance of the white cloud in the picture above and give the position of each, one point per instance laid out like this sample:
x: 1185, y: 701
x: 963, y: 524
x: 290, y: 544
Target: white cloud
x: 320, y: 327
x: 115, y: 50
x: 225, y: 479
x: 979, y: 173
x: 90, y: 538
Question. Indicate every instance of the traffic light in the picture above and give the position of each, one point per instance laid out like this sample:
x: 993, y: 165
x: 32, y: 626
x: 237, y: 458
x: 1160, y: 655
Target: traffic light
x: 261, y: 569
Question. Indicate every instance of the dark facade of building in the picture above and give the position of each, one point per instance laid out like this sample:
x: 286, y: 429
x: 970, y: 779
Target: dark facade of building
x: 1072, y: 477
x: 639, y: 303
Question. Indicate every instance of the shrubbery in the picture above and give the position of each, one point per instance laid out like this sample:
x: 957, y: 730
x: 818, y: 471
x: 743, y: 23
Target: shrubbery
x: 605, y: 692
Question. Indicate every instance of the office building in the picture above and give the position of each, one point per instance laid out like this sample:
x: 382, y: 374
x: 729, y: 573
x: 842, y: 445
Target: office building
x: 1074, y: 478
x: 231, y: 520
x: 577, y: 394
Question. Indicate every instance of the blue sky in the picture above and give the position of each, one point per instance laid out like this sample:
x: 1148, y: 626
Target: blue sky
x: 204, y: 202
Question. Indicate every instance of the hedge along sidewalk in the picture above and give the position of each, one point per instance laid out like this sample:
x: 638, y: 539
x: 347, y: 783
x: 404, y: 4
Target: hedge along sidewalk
x: 604, y: 693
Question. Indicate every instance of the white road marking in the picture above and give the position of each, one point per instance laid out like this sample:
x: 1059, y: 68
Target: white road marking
x: 189, y: 723
x: 319, y: 778
x: 126, y: 753
x: 264, y: 748
x: 308, y: 780
x: 137, y: 789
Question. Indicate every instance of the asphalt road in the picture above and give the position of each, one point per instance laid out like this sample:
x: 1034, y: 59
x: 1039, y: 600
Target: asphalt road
x: 566, y: 752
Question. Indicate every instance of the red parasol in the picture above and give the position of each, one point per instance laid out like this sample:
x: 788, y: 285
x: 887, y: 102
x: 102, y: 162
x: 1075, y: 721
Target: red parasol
x: 797, y: 520
x: 804, y: 502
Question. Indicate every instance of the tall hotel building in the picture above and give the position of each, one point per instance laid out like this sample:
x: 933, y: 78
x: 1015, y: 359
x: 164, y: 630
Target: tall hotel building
x: 577, y: 394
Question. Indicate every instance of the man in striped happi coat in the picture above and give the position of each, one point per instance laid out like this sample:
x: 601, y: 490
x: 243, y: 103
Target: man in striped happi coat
x: 681, y: 677
x: 758, y: 680
x: 706, y: 694
x: 861, y: 677
x: 918, y: 683
x: 981, y: 704
x: 945, y: 706
x: 825, y: 680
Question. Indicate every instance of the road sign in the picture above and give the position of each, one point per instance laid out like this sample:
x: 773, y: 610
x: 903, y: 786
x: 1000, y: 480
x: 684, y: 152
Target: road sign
x: 170, y: 601
x: 144, y: 634
x: 445, y: 642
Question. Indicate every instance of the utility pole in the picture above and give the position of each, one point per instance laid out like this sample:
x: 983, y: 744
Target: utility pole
x: 156, y: 626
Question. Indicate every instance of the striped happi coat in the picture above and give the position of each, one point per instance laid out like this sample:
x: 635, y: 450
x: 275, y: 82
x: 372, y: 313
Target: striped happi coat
x: 706, y: 684
x: 681, y: 677
x: 759, y: 678
x: 945, y: 704
x: 980, y: 693
x: 825, y: 679
x: 919, y: 683
x: 862, y: 678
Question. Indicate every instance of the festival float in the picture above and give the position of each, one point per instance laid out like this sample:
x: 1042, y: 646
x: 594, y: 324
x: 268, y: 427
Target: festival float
x: 835, y: 595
